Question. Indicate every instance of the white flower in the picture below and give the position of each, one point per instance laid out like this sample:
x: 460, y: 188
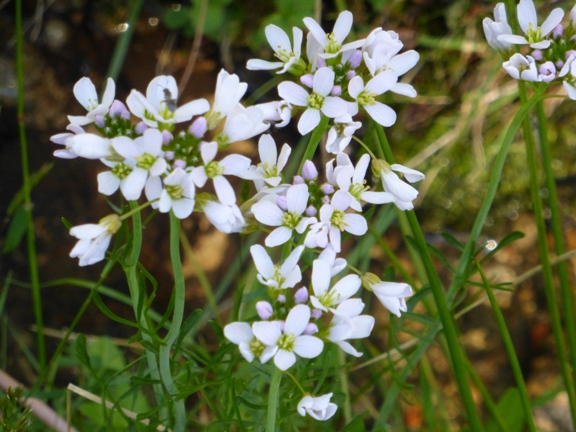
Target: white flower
x: 340, y: 135
x: 289, y: 342
x: 325, y: 297
x: 365, y: 96
x: 159, y: 105
x: 280, y: 43
x: 351, y: 180
x: 274, y: 276
x: 347, y: 323
x: 336, y: 264
x: 226, y: 218
x: 277, y: 113
x: 241, y: 124
x: 178, y: 194
x: 528, y: 20
x: 94, y: 239
x: 110, y: 181
x: 493, y: 29
x: 61, y: 138
x: 270, y: 214
x: 332, y: 42
x: 393, y: 295
x: 403, y: 193
x: 231, y: 165
x: 522, y: 67
x: 89, y: 146
x: 85, y: 93
x: 333, y: 221
x: 268, y: 171
x: 240, y: 333
x: 319, y: 407
x: 384, y: 60
x: 229, y: 91
x: 379, y: 37
x: 316, y: 102
x: 144, y: 156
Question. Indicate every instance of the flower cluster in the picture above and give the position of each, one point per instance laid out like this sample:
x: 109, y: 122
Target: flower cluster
x: 550, y: 48
x: 309, y: 215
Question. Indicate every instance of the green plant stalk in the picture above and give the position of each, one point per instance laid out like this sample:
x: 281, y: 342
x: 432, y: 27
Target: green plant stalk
x: 179, y: 408
x: 557, y: 233
x: 124, y: 39
x: 131, y: 270
x: 273, y: 397
x: 344, y: 385
x: 455, y: 350
x: 509, y: 346
x: 463, y: 267
x: 27, y: 191
x: 314, y: 141
x: 547, y: 274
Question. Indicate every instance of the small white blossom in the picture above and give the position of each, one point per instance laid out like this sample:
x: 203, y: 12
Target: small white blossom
x: 493, y: 29
x: 332, y: 42
x: 522, y: 67
x: 325, y: 297
x: 177, y: 194
x: 277, y: 277
x: 340, y: 135
x: 319, y: 408
x: 229, y: 91
x: 347, y: 323
x: 86, y: 94
x: 226, y: 218
x: 280, y: 43
x: 365, y: 96
x: 94, y: 239
x: 268, y: 171
x: 404, y: 194
x: 290, y: 341
x: 393, y: 295
x: 61, y: 138
x: 240, y: 333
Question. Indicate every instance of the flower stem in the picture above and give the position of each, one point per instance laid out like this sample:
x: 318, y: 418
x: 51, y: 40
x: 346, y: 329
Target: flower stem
x: 273, y: 397
x: 514, y: 363
x: 547, y: 273
x: 456, y: 354
x: 27, y: 205
x: 314, y: 141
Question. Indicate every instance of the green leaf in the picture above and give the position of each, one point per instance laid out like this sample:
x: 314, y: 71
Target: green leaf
x: 81, y: 351
x: 357, y: 423
x: 16, y: 229
x: 510, y: 409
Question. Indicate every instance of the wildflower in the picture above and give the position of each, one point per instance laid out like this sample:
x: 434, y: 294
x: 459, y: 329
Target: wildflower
x: 85, y: 93
x: 177, y: 194
x: 340, y: 135
x: 240, y: 333
x: 493, y: 29
x: 316, y: 102
x: 287, y: 221
x: 365, y: 96
x: 89, y: 146
x: 332, y: 42
x: 229, y: 91
x: 319, y: 407
x: 94, y: 239
x: 158, y: 108
x: 67, y: 152
x: 384, y: 60
x: 241, y: 124
x: 325, y: 297
x: 280, y: 43
x: 277, y: 277
x: 347, y: 323
x: 231, y: 165
x: 290, y: 341
x: 392, y: 295
x: 533, y: 34
x: 227, y: 218
x: 268, y: 171
x: 522, y: 67
x: 403, y: 193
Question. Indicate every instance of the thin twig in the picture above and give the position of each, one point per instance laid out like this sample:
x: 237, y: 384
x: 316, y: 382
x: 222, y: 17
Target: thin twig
x: 195, y: 46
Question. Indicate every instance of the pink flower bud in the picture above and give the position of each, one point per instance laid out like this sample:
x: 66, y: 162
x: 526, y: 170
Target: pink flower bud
x: 297, y: 180
x: 282, y: 298
x: 169, y: 155
x: 320, y: 62
x: 558, y: 30
x: 301, y: 296
x: 166, y: 137
x: 327, y: 188
x: 264, y: 310
x: 307, y: 80
x: 282, y: 202
x: 141, y: 127
x: 309, y: 171
x: 316, y: 313
x: 198, y: 127
x: 350, y: 74
x: 179, y: 163
x: 311, y: 211
x: 99, y: 120
x: 355, y: 59
x: 118, y: 109
x: 336, y: 90
x: 537, y: 54
x: 310, y: 329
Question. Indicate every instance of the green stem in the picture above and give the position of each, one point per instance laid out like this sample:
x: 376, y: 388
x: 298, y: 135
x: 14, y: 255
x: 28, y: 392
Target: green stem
x: 124, y: 39
x: 547, y: 273
x: 314, y: 141
x: 454, y: 348
x: 514, y: 363
x: 344, y: 386
x: 556, y: 225
x: 273, y: 397
x: 179, y: 408
x: 27, y: 191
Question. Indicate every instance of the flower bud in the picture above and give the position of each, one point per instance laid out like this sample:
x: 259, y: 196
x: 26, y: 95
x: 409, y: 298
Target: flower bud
x: 537, y: 54
x: 179, y: 163
x: 350, y: 74
x: 307, y: 80
x: 309, y: 171
x: 355, y: 59
x: 316, y: 313
x: 310, y: 329
x: 198, y: 127
x: 336, y: 90
x: 166, y: 137
x: 327, y: 188
x: 311, y: 211
x: 297, y: 180
x: 169, y: 155
x: 281, y: 298
x: 264, y: 310
x: 99, y: 120
x: 369, y: 280
x: 301, y: 296
x: 118, y: 109
x: 282, y: 202
x: 141, y: 127
x: 558, y: 31
x: 320, y: 62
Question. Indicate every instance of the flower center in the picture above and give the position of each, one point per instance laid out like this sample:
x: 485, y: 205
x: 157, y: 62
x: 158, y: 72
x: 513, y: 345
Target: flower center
x: 315, y: 101
x: 533, y: 34
x: 256, y: 347
x: 357, y: 189
x: 269, y: 170
x: 278, y: 277
x: 333, y: 46
x: 337, y: 220
x: 284, y: 55
x: 121, y: 170
x: 366, y: 98
x: 214, y: 169
x: 291, y: 220
x: 145, y: 161
x: 286, y: 342
x: 175, y: 191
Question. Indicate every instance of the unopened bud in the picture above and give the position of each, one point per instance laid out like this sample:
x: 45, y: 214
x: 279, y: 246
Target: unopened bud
x: 301, y: 296
x: 307, y: 80
x: 309, y: 171
x: 369, y: 280
x: 310, y: 329
x: 311, y: 211
x: 198, y: 127
x: 264, y: 310
x: 316, y: 313
x: 282, y: 202
x: 166, y: 137
x: 141, y: 127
